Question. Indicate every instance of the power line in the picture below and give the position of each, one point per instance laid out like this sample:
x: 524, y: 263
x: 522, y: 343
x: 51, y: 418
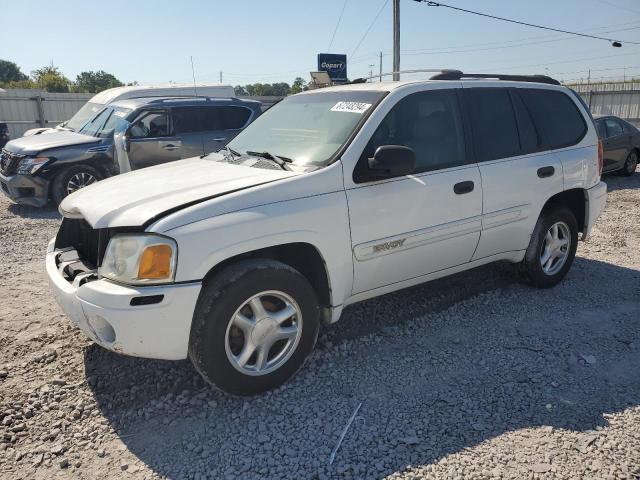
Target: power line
x: 459, y: 48
x: 344, y: 5
x: 619, y: 6
x: 369, y: 28
x: 614, y: 42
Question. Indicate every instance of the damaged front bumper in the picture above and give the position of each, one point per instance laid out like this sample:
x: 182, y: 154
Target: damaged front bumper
x: 150, y: 322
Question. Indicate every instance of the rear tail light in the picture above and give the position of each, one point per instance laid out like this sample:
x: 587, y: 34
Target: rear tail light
x: 600, y: 156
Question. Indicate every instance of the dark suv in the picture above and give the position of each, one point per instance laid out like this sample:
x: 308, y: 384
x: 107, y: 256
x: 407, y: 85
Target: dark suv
x: 154, y: 130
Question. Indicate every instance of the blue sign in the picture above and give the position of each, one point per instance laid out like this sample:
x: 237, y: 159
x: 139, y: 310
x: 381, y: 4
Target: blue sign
x: 335, y: 65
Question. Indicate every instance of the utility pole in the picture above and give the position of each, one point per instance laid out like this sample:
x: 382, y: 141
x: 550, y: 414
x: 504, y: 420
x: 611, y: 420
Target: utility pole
x: 220, y: 76
x: 396, y: 39
x: 380, y: 66
x: 589, y: 88
x: 371, y: 65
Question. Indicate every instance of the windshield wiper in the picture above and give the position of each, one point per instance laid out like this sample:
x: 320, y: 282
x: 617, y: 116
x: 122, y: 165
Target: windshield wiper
x: 230, y: 150
x: 282, y: 162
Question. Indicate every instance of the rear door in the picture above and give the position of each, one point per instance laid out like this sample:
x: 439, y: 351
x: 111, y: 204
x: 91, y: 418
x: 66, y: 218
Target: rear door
x: 517, y: 177
x: 616, y: 144
x: 189, y: 128
x: 150, y: 140
x: 222, y: 123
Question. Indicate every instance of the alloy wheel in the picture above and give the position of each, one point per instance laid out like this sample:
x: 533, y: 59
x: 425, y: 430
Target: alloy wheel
x: 555, y: 248
x: 263, y: 333
x: 79, y: 180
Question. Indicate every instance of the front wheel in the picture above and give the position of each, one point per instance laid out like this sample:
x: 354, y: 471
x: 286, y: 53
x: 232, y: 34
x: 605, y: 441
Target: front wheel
x: 552, y: 247
x: 72, y: 179
x: 630, y: 164
x: 254, y: 325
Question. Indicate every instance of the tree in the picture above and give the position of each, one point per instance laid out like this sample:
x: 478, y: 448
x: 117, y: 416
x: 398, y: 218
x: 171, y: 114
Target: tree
x: 10, y: 72
x: 240, y: 90
x: 94, y: 82
x: 50, y: 79
x: 299, y: 85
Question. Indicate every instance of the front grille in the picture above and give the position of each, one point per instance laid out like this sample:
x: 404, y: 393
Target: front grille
x: 85, y: 245
x: 9, y: 162
x: 77, y: 234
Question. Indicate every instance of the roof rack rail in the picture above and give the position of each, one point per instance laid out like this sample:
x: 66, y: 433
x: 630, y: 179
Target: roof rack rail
x: 388, y: 74
x: 458, y: 75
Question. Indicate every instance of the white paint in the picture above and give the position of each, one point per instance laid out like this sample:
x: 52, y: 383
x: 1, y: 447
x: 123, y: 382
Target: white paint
x: 373, y: 237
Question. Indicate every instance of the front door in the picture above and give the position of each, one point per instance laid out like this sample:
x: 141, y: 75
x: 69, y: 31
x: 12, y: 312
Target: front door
x: 150, y: 142
x: 406, y: 227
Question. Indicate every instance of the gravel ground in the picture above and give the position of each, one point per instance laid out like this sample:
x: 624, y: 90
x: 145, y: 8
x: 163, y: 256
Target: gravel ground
x: 474, y: 376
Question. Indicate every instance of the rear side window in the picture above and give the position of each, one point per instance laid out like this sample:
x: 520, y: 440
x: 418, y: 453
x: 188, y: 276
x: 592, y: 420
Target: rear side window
x: 188, y: 120
x: 226, y: 118
x: 495, y: 133
x: 613, y: 127
x: 555, y: 115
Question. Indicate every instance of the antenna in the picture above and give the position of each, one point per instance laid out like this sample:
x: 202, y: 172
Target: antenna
x: 193, y: 72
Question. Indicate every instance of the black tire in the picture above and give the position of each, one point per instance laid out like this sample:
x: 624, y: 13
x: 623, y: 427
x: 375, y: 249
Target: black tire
x: 630, y: 164
x: 531, y: 265
x: 220, y: 299
x: 60, y: 183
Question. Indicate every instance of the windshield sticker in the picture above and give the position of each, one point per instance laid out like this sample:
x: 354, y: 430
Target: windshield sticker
x: 354, y: 107
x: 120, y: 114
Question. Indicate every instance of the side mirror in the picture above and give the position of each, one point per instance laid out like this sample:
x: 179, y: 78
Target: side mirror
x: 392, y: 161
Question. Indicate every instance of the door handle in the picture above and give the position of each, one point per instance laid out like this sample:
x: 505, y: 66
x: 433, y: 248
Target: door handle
x: 463, y: 187
x: 544, y: 172
x: 171, y: 146
x: 220, y: 139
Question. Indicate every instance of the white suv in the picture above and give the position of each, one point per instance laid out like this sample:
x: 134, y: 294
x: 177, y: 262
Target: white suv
x: 331, y: 197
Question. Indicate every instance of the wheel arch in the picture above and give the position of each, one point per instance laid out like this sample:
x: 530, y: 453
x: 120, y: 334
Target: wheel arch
x: 576, y: 200
x: 302, y: 256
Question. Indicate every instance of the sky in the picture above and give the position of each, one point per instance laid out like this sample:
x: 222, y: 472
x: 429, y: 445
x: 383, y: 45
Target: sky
x: 267, y: 41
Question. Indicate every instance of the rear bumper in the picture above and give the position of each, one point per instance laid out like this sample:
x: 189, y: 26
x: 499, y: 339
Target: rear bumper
x: 596, y: 198
x: 25, y: 189
x: 103, y: 311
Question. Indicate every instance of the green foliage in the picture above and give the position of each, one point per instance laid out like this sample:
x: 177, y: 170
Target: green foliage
x: 239, y: 90
x: 299, y: 85
x: 10, y: 72
x: 94, y: 82
x: 50, y: 79
x: 280, y: 89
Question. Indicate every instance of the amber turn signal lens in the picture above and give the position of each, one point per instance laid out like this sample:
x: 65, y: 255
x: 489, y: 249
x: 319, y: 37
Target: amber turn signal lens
x: 155, y: 263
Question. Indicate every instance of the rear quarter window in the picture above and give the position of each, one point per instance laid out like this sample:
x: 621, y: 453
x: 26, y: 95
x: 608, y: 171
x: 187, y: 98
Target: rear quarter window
x: 556, y: 116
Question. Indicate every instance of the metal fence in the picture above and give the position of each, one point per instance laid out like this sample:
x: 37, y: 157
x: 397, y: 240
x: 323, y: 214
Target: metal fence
x: 22, y: 109
x: 621, y: 99
x: 25, y: 109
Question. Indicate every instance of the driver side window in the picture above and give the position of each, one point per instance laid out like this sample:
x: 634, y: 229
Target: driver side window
x: 427, y: 122
x: 150, y: 125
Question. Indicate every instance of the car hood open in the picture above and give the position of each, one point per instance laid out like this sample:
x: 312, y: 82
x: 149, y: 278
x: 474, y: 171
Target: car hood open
x: 142, y: 196
x: 34, y: 144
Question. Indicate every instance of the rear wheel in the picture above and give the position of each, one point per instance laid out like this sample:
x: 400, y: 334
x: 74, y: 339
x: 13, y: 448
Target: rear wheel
x: 552, y: 247
x: 72, y: 179
x: 254, y: 325
x: 630, y: 164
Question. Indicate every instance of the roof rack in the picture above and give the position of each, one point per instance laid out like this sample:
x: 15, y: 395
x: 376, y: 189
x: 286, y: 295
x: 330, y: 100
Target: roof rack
x: 458, y: 75
x: 451, y: 74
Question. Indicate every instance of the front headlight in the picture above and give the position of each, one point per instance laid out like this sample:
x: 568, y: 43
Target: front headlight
x: 140, y: 259
x: 30, y: 165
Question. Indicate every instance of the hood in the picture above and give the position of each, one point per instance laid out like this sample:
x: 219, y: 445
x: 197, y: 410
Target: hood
x: 135, y: 198
x: 37, y: 143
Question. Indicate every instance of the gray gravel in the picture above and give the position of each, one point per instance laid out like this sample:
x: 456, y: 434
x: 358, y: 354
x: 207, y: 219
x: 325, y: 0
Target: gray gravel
x: 475, y: 376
